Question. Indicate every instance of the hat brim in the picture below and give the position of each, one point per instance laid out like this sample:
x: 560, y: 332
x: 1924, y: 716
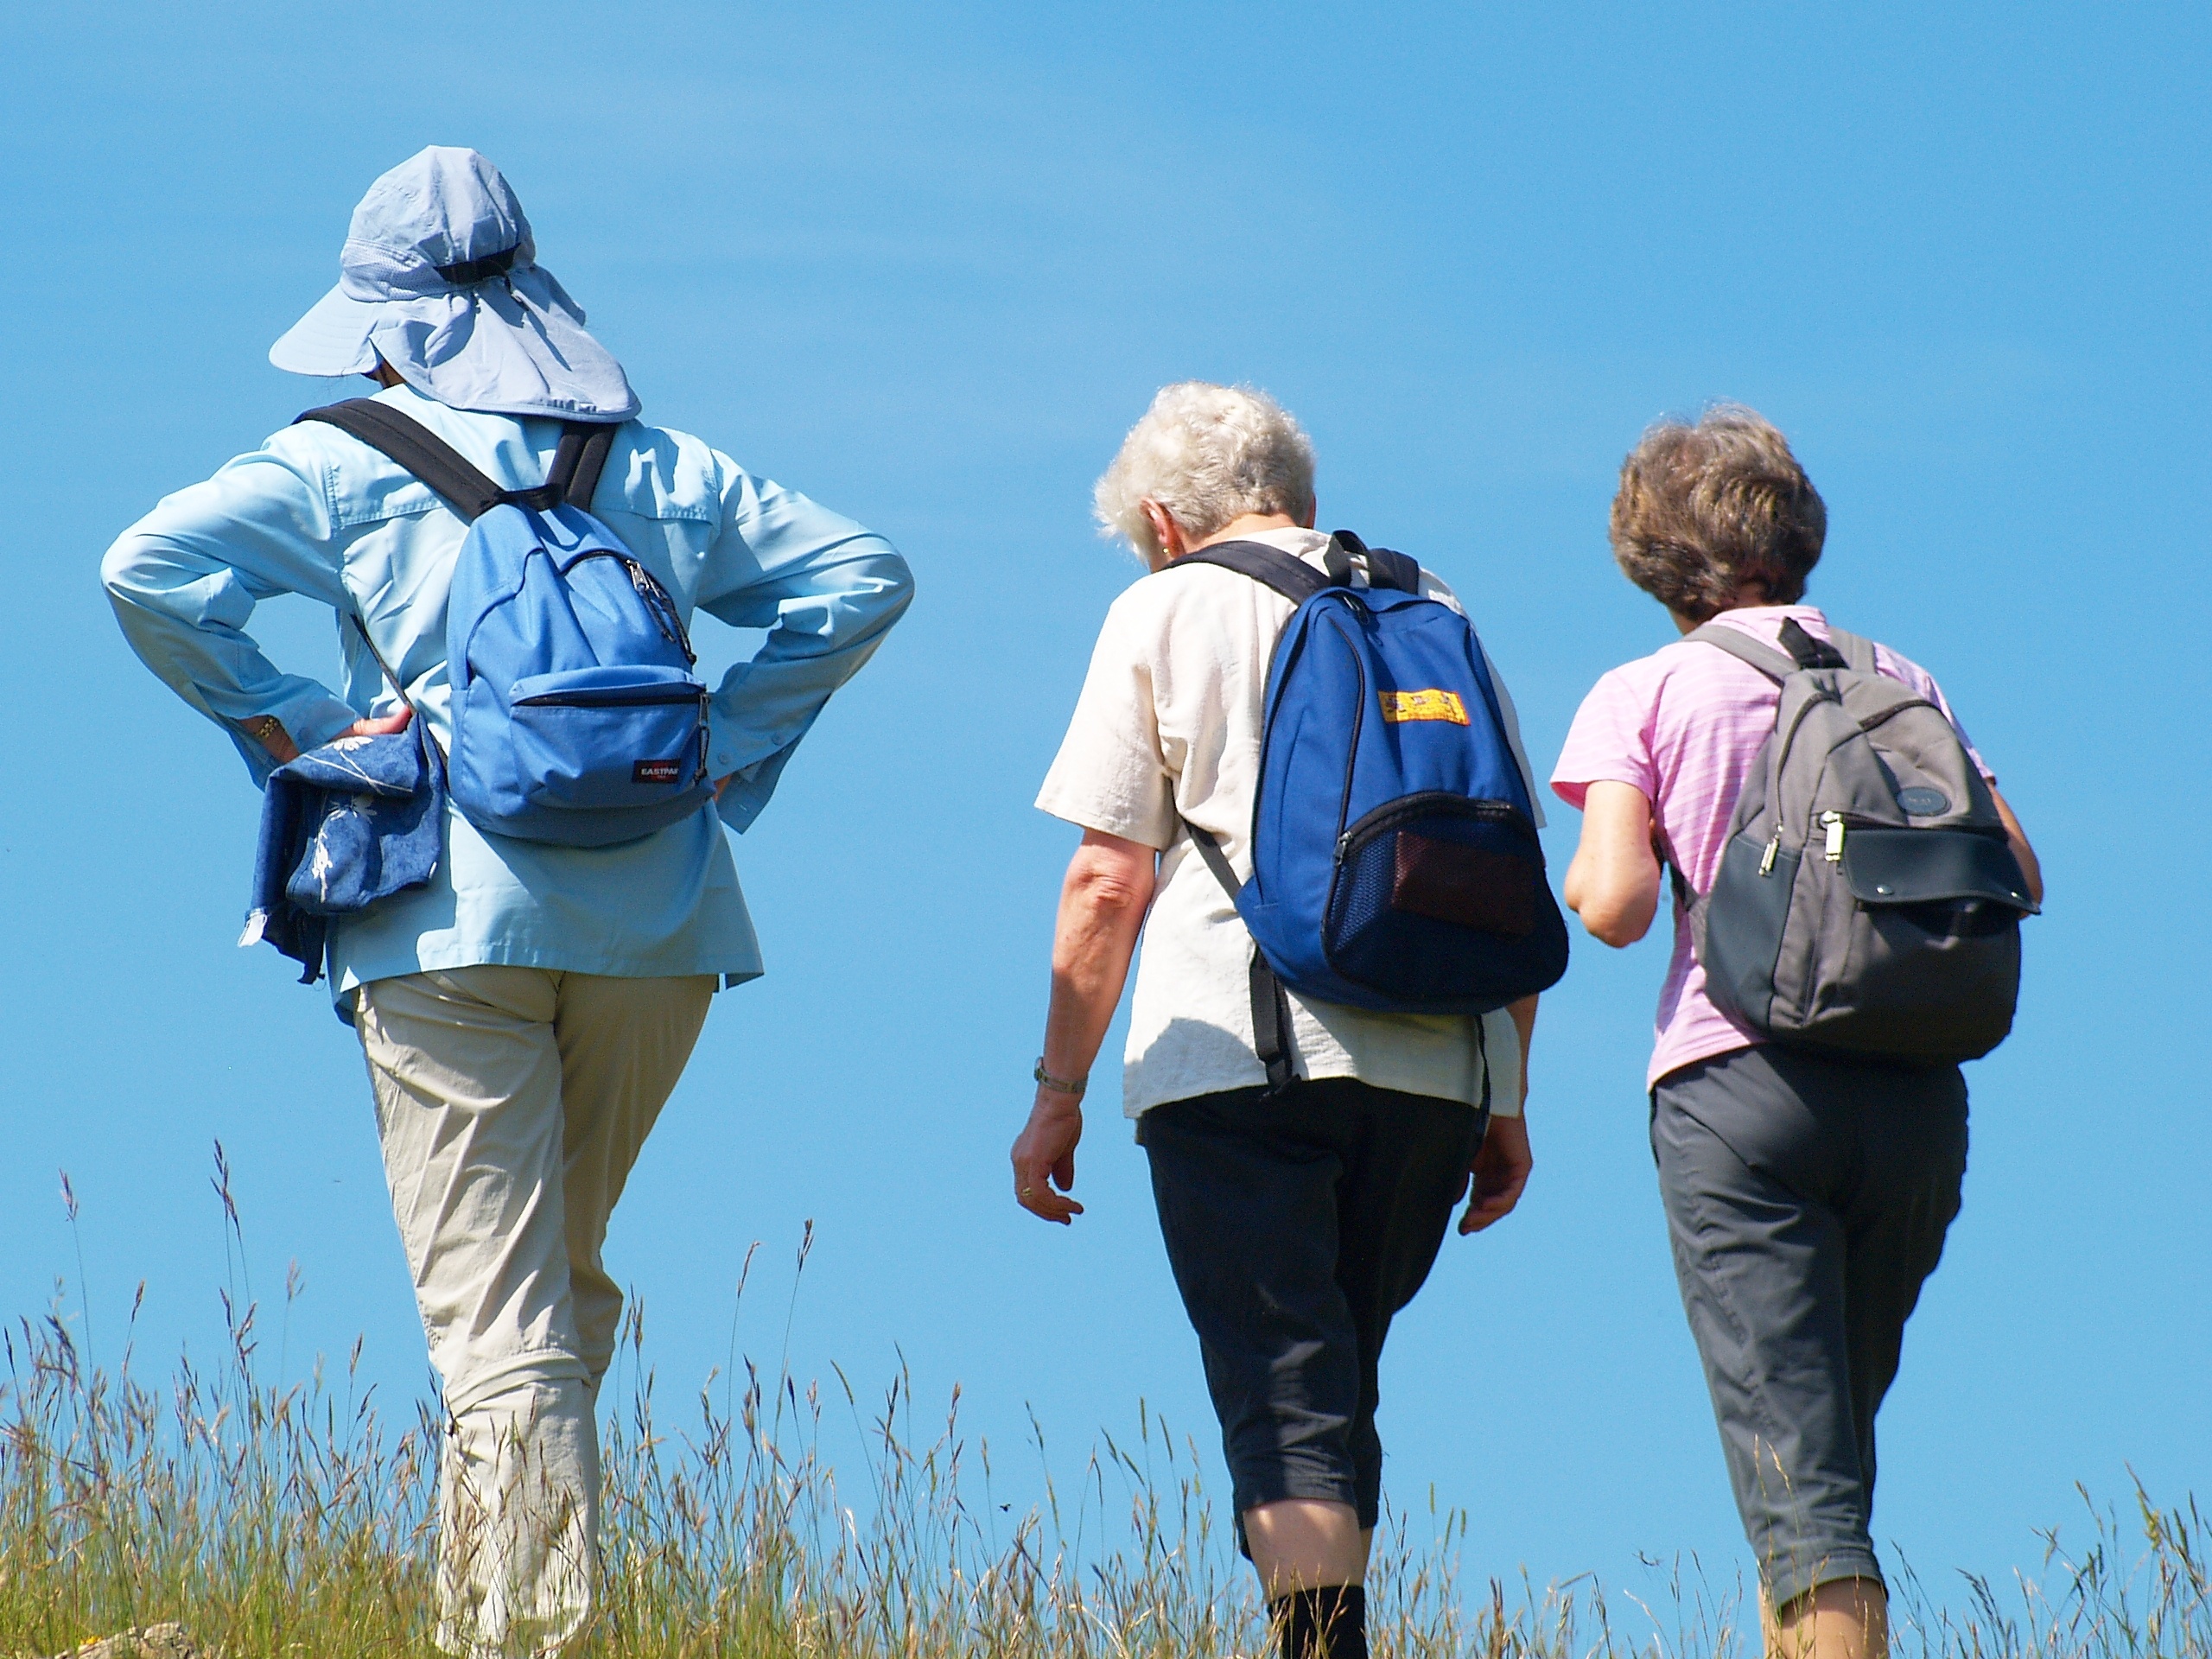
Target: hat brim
x: 332, y: 338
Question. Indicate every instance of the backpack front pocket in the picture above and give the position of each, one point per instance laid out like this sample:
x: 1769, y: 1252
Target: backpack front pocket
x: 1440, y: 902
x: 591, y: 738
x: 1933, y: 960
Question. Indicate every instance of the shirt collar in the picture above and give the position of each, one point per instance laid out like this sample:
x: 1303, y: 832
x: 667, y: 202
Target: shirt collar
x: 1307, y: 544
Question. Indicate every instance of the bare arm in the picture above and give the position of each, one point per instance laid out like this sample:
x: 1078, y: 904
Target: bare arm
x: 2017, y: 837
x: 272, y: 736
x: 1503, y: 1162
x: 1613, y: 882
x: 1102, y: 904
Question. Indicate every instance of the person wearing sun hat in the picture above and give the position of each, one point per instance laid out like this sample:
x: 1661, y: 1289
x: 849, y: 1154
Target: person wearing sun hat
x: 525, y: 1012
x: 440, y: 279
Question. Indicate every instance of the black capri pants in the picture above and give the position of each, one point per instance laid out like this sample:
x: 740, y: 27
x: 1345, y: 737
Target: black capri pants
x: 1297, y: 1226
x: 1807, y: 1200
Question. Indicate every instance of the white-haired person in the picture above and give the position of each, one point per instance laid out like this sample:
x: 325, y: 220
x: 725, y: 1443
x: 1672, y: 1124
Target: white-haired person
x: 1297, y: 1222
x: 526, y: 1011
x: 1806, y: 1194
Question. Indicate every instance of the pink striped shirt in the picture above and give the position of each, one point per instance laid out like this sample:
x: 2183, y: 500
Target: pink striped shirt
x: 1683, y: 726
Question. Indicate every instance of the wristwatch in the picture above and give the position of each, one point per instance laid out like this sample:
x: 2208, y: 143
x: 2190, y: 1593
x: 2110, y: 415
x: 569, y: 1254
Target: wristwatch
x: 1060, y: 1085
x: 262, y: 727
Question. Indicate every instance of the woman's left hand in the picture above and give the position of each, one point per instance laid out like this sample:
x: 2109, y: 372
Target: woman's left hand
x: 274, y: 738
x: 1501, y: 1172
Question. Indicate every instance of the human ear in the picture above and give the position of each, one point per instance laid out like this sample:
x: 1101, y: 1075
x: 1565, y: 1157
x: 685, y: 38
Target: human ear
x: 1164, y: 530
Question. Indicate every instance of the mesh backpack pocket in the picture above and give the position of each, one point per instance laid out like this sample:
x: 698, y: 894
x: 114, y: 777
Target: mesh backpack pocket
x: 1424, y: 891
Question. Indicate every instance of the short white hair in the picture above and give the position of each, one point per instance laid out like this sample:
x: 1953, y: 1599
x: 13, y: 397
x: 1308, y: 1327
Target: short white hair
x: 1209, y: 454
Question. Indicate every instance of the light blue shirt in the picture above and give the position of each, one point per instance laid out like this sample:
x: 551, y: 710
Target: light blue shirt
x: 318, y: 512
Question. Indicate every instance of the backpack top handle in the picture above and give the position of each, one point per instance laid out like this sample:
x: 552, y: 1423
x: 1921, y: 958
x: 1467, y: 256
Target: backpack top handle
x: 1386, y: 567
x: 1803, y: 651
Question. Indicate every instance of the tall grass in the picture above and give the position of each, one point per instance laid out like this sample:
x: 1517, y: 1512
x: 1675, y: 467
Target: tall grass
x: 287, y: 1520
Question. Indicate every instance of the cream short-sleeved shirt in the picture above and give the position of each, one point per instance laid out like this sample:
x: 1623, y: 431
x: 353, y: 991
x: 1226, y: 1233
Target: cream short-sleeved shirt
x: 1169, y: 723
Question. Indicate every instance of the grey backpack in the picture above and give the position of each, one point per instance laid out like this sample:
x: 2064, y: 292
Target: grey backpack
x: 1868, y: 903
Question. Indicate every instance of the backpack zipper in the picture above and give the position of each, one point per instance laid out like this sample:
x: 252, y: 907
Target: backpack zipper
x: 1267, y: 720
x: 1429, y: 804
x: 1837, y: 823
x: 659, y: 603
x: 1882, y: 715
x: 1785, y: 741
x: 585, y: 699
x: 662, y: 605
x: 1352, y: 755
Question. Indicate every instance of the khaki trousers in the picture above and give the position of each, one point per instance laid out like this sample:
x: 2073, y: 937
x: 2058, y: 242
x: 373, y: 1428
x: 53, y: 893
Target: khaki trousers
x: 510, y: 1105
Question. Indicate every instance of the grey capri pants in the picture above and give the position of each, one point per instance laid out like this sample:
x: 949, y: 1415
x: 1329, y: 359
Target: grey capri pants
x: 1807, y: 1200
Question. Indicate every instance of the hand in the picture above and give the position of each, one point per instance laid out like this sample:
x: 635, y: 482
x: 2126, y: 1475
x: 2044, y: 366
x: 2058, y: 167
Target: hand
x: 1043, y: 1157
x: 1501, y: 1171
x: 284, y: 750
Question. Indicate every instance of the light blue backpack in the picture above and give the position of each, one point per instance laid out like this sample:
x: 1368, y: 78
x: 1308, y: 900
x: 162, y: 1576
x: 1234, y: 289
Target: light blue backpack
x: 576, y: 719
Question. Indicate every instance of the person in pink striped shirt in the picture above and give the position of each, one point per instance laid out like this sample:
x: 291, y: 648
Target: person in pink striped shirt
x: 1807, y: 1196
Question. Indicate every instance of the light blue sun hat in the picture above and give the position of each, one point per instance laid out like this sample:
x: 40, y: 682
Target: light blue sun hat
x: 440, y: 277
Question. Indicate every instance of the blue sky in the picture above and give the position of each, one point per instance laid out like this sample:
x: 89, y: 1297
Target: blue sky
x: 926, y: 264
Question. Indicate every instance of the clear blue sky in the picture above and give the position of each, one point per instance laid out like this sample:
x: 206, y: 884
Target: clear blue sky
x: 927, y: 264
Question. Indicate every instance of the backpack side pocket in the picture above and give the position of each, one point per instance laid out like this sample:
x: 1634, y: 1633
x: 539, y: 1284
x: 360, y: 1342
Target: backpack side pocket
x: 1740, y: 926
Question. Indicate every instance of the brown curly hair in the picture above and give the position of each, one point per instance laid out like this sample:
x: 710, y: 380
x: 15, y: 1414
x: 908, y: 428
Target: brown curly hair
x: 1704, y: 509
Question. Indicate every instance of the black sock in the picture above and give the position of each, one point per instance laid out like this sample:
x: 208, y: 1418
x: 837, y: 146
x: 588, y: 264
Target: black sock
x: 1330, y: 1621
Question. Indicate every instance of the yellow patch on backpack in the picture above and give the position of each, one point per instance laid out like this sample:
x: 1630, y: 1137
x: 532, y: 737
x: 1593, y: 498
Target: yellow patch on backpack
x: 1424, y: 705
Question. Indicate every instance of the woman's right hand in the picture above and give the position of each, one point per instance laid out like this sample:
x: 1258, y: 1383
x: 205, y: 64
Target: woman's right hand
x: 1043, y: 1157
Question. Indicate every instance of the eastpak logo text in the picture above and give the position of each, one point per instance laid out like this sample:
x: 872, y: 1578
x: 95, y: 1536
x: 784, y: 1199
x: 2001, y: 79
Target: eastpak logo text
x: 657, y: 772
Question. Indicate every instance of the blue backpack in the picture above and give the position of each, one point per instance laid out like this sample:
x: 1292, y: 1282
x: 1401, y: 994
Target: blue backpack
x: 1394, y: 859
x: 576, y: 719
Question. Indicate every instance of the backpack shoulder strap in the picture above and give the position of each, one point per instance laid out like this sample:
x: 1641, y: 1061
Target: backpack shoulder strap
x: 1740, y: 645
x: 418, y: 448
x: 1271, y: 1036
x: 579, y: 461
x: 1857, y: 653
x: 573, y: 477
x: 1294, y: 579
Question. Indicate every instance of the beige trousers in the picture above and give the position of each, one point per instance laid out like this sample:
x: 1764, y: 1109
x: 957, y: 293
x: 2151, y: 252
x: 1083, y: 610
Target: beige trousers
x: 511, y: 1104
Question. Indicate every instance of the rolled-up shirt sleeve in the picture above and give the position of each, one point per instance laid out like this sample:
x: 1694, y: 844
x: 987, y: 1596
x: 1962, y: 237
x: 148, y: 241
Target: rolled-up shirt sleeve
x: 184, y: 581
x: 826, y: 590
